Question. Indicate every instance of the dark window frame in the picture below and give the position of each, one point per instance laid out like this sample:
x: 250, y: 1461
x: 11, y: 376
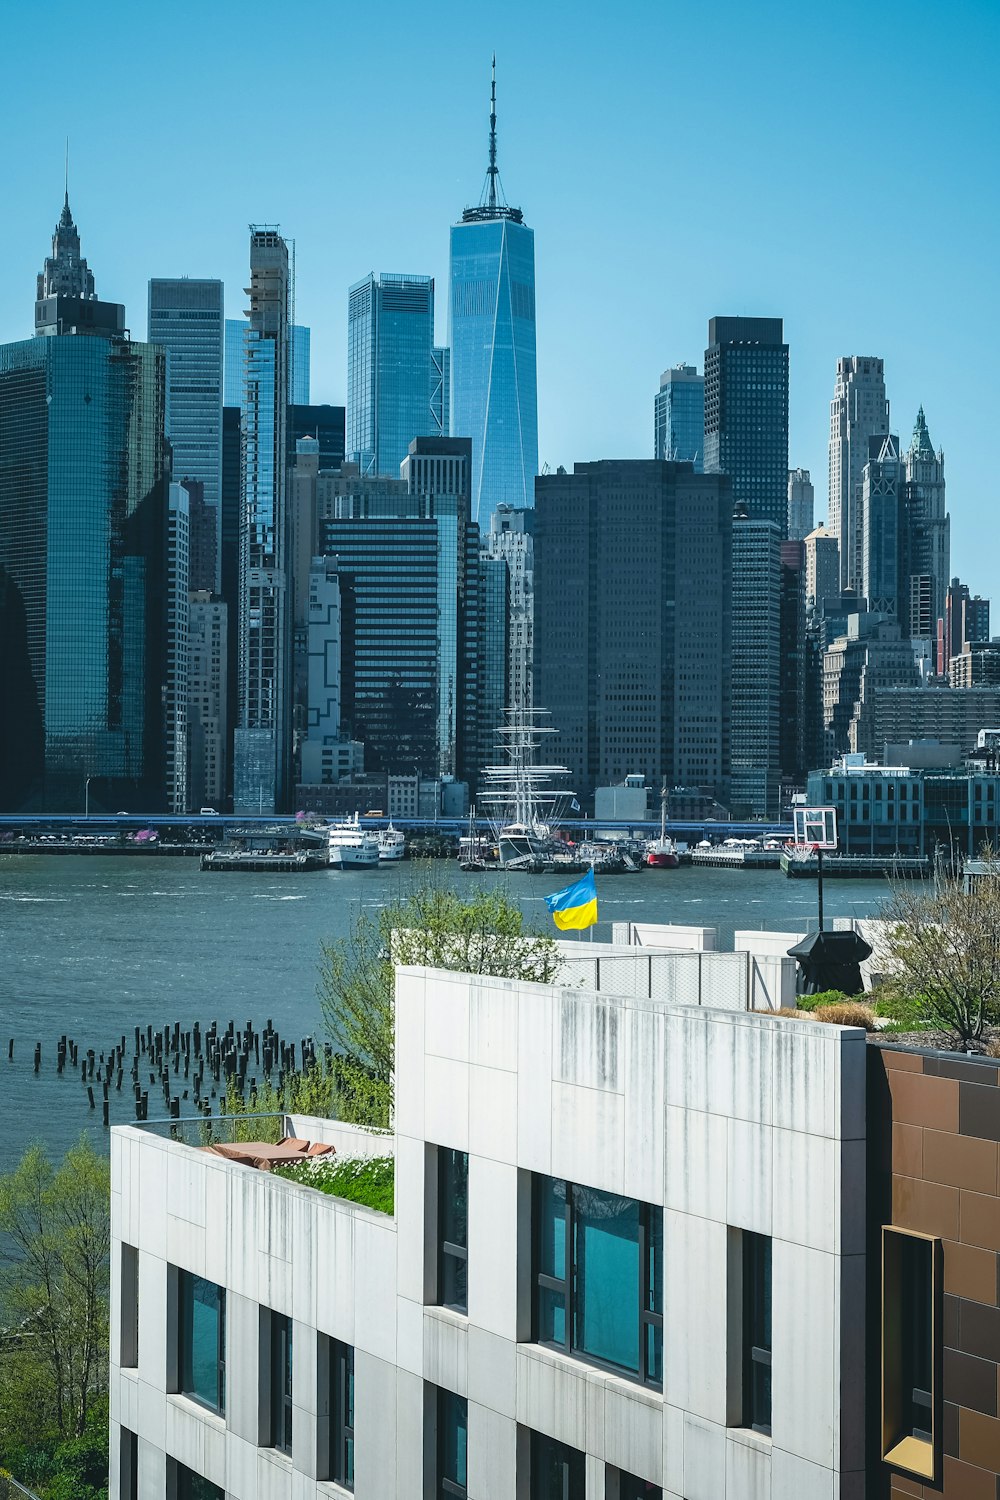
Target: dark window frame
x: 342, y: 1413
x: 446, y: 1486
x: 451, y: 1254
x: 574, y: 1458
x: 281, y: 1382
x: 758, y: 1283
x: 185, y: 1322
x: 564, y: 1286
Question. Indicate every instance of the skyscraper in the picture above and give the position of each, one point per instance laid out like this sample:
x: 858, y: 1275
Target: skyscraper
x: 82, y: 543
x: 390, y: 369
x: 177, y: 677
x: 679, y: 417
x: 409, y: 571
x: 186, y: 318
x: 440, y: 391
x: 966, y: 618
x: 510, y: 538
x: 207, y: 692
x: 235, y: 340
x: 491, y: 319
x: 884, y: 549
x: 262, y: 743
x: 859, y: 411
x: 633, y: 594
x: 300, y: 351
x: 300, y: 340
x: 755, y: 736
x: 822, y: 566
x: 929, y: 531
x: 800, y: 504
x: 746, y: 413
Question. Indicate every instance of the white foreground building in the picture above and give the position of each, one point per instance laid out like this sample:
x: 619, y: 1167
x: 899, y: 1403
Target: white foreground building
x: 627, y: 1259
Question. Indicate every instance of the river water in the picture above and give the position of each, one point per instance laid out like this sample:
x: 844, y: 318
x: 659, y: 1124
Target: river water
x: 93, y: 946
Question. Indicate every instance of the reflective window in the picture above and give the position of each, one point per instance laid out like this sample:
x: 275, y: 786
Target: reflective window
x: 202, y: 1340
x: 192, y: 1486
x: 452, y: 1445
x: 281, y: 1382
x: 599, y: 1276
x: 341, y: 1378
x: 453, y: 1228
x: 757, y: 1332
x: 622, y: 1486
x: 557, y: 1471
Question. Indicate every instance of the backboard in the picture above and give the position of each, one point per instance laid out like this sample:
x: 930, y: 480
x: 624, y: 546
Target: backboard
x: 816, y: 826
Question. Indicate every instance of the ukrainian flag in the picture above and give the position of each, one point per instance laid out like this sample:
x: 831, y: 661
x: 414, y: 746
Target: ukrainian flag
x: 576, y: 906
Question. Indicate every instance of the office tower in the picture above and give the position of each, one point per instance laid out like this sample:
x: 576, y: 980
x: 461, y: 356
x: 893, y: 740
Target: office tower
x: 800, y: 504
x: 202, y: 523
x: 299, y: 383
x: 822, y: 566
x: 262, y: 743
x: 494, y: 694
x: 186, y: 318
x: 859, y: 411
x: 440, y: 390
x: 897, y: 714
x: 510, y: 538
x: 871, y: 654
x: 83, y: 530
x: 884, y: 551
x: 633, y: 593
x: 409, y: 577
x: 792, y: 711
x: 390, y: 374
x: 491, y: 322
x: 65, y: 299
x: 929, y: 528
x: 302, y: 554
x: 965, y: 618
x: 326, y: 425
x: 746, y: 413
x: 177, y: 684
x: 326, y: 755
x: 235, y: 341
x: 679, y: 417
x: 232, y: 530
x: 755, y: 719
x: 208, y: 626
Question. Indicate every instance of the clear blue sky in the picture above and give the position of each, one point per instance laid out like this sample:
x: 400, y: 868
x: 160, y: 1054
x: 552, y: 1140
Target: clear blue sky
x: 837, y: 165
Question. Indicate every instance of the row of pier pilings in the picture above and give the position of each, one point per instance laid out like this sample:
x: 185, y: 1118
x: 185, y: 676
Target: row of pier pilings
x: 199, y: 1065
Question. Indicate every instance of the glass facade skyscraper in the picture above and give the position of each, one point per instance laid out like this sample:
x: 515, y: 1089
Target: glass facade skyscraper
x: 82, y: 543
x: 301, y: 340
x: 186, y: 318
x: 491, y: 319
x: 262, y: 743
x: 679, y: 417
x: 746, y: 413
x: 300, y: 345
x: 391, y: 376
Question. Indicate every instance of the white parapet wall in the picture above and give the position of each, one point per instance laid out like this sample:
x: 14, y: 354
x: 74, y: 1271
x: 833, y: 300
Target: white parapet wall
x: 664, y: 935
x: 726, y: 1123
x: 720, y: 981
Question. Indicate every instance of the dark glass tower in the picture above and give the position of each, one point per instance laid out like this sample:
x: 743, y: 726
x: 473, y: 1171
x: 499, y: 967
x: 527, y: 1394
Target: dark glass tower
x: 746, y: 413
x: 82, y: 548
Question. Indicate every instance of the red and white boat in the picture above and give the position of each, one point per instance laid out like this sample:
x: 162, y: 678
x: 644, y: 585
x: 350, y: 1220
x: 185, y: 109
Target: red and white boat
x: 661, y: 853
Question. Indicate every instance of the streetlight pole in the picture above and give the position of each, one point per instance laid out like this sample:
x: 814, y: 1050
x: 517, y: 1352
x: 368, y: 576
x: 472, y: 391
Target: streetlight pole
x: 86, y: 796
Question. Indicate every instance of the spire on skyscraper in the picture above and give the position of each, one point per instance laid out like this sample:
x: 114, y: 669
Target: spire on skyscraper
x: 921, y: 446
x: 66, y: 273
x: 492, y: 204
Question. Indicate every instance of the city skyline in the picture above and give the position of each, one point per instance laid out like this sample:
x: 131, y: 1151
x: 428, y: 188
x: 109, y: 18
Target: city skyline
x: 595, y: 370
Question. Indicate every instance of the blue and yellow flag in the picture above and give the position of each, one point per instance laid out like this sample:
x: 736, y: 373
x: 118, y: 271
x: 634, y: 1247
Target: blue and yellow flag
x: 576, y: 906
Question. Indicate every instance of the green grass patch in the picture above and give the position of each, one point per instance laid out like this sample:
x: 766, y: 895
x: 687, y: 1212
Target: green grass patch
x: 369, y: 1180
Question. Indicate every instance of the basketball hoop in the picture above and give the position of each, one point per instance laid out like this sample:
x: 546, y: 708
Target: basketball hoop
x: 801, y: 853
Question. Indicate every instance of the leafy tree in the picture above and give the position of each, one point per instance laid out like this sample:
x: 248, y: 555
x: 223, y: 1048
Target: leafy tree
x: 432, y: 926
x: 939, y: 952
x: 55, y: 1242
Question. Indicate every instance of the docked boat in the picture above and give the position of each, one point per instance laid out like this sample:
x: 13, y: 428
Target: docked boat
x: 524, y: 798
x: 351, y: 846
x: 391, y: 845
x: 661, y: 853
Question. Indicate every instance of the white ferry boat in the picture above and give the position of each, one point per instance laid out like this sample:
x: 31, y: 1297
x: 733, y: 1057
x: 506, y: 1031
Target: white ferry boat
x: 351, y: 846
x: 391, y: 845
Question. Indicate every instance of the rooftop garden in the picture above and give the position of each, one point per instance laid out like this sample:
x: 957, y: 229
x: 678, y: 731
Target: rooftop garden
x: 366, y: 1180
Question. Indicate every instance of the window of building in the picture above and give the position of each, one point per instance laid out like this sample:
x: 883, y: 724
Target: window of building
x: 599, y: 1277
x: 128, y: 1465
x: 451, y: 1460
x: 201, y: 1341
x: 621, y: 1486
x: 336, y: 1372
x: 757, y: 1332
x: 453, y: 1228
x: 911, y: 1305
x: 281, y: 1382
x: 187, y: 1485
x: 556, y: 1471
x: 129, y: 1308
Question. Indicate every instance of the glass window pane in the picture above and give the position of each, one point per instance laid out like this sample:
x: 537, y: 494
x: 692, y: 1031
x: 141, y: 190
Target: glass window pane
x: 454, y: 1206
x: 551, y: 1226
x: 606, y: 1282
x: 452, y: 1441
x: 654, y: 1354
x: 454, y: 1279
x: 551, y: 1316
x: 202, y: 1309
x: 654, y: 1260
x: 557, y: 1472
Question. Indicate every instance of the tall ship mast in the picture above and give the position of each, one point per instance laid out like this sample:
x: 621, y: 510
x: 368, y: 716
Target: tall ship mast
x: 523, y: 796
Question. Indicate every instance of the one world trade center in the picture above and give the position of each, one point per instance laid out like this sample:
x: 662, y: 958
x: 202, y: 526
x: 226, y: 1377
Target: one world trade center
x: 492, y: 333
